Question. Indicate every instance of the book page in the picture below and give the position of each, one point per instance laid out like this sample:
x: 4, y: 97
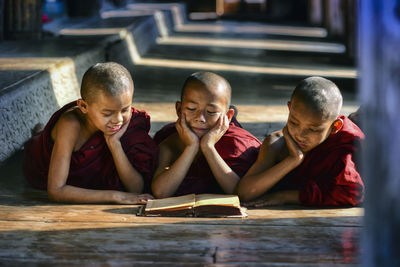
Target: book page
x: 171, y: 203
x: 217, y: 199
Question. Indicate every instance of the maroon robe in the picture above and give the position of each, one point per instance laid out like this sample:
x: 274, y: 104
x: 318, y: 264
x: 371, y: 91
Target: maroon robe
x: 92, y: 166
x: 328, y: 175
x: 237, y: 147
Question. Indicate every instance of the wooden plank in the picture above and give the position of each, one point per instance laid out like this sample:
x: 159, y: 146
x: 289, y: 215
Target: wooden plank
x: 85, y: 242
x: 126, y: 214
x: 245, y: 257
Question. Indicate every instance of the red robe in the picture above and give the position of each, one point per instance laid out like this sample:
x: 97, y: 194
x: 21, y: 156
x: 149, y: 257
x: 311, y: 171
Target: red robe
x: 328, y: 175
x: 237, y: 147
x: 92, y: 167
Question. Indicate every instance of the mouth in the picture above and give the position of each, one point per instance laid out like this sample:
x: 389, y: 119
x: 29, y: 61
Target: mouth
x: 114, y: 128
x: 301, y: 145
x: 200, y: 130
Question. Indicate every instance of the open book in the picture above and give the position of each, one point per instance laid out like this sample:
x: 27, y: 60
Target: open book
x: 203, y: 205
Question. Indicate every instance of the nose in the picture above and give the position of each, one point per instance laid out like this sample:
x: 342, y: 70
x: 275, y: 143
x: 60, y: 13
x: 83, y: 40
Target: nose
x: 118, y: 118
x: 302, y: 133
x: 200, y: 116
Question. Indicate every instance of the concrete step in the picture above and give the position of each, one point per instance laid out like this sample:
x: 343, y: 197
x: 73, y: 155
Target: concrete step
x: 175, y: 22
x: 283, y: 60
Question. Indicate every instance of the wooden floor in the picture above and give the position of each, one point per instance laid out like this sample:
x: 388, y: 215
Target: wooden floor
x: 34, y: 231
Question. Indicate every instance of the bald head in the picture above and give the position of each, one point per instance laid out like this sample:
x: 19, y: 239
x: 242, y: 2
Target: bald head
x: 109, y: 78
x: 214, y: 83
x: 320, y: 95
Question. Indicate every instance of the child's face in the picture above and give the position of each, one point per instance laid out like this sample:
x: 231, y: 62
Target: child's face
x: 108, y: 113
x: 201, y: 107
x: 307, y: 128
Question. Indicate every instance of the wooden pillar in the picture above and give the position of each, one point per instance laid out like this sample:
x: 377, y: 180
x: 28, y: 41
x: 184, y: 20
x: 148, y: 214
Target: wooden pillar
x: 351, y: 18
x: 316, y: 12
x: 335, y: 19
x: 1, y: 19
x: 340, y: 20
x: 23, y: 19
x: 380, y: 96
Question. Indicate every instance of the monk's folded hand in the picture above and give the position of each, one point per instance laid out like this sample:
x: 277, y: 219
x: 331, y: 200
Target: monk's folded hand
x: 294, y: 150
x: 112, y: 139
x: 131, y: 198
x: 215, y: 134
x: 188, y: 137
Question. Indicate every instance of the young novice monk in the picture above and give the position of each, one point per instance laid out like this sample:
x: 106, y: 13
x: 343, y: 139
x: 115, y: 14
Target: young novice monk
x: 205, y: 151
x: 95, y: 149
x: 310, y: 161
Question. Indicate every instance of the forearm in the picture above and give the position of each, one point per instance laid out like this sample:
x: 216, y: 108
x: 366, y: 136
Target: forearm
x: 224, y: 175
x: 168, y: 180
x: 290, y: 196
x: 129, y: 176
x: 73, y: 194
x: 254, y: 185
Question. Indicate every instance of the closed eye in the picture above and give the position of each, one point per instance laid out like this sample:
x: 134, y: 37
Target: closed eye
x: 190, y: 109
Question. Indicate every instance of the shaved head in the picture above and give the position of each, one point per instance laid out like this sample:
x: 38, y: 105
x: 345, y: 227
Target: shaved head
x: 212, y: 82
x: 320, y: 95
x: 109, y: 78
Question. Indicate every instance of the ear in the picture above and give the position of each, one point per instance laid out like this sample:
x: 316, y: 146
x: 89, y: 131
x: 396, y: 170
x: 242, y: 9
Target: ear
x: 178, y: 108
x: 230, y: 113
x: 82, y: 105
x: 289, y: 104
x: 337, y: 125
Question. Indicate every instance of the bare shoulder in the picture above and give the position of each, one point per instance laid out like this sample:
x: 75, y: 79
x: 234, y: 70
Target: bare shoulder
x: 69, y: 122
x: 270, y: 153
x: 274, y: 140
x: 273, y: 146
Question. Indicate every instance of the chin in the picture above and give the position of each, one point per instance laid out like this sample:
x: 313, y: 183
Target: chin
x: 308, y: 149
x: 199, y: 135
x: 108, y: 132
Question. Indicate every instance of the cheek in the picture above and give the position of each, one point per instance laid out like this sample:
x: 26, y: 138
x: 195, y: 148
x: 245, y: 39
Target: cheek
x: 188, y: 115
x: 212, y: 120
x: 318, y: 138
x: 291, y: 130
x: 98, y: 118
x: 127, y: 117
x: 102, y: 119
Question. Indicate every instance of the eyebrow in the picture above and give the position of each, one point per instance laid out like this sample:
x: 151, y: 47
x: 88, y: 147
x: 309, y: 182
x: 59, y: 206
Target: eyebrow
x: 110, y: 110
x: 209, y: 104
x: 311, y: 125
x: 316, y: 126
x: 293, y: 117
x: 212, y: 105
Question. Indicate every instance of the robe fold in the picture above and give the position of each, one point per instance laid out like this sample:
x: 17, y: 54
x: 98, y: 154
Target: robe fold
x: 237, y: 147
x: 328, y: 176
x: 92, y: 166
